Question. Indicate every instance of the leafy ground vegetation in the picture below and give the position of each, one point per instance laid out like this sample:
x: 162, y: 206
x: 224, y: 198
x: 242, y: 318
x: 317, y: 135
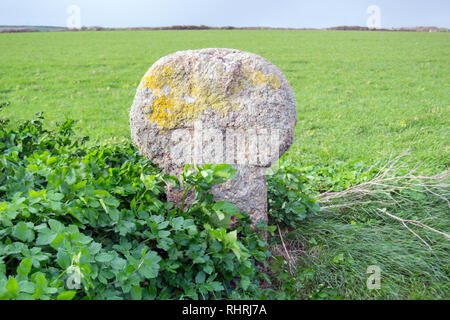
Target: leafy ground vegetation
x: 97, y: 217
x: 347, y: 196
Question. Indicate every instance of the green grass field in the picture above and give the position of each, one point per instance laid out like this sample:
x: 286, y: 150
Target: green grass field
x: 361, y: 96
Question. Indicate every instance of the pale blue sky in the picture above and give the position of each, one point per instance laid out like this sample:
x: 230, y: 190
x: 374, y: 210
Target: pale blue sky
x: 273, y: 13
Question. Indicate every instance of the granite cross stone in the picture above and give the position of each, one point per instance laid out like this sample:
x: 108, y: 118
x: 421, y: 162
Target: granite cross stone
x: 216, y: 106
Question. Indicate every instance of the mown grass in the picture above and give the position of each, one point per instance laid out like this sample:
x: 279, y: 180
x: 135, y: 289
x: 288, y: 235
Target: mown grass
x: 361, y: 97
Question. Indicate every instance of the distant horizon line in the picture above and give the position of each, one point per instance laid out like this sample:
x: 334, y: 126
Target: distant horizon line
x: 201, y: 26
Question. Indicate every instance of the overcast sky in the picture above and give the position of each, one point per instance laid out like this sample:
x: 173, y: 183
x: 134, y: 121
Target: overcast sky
x: 272, y: 13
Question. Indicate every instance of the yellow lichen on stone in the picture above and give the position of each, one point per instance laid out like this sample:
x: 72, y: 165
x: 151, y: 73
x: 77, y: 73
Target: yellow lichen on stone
x: 170, y: 109
x: 161, y: 109
x: 274, y: 81
x: 258, y: 78
x: 157, y: 80
x: 181, y: 95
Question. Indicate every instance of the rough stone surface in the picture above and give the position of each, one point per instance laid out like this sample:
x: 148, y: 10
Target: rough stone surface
x: 216, y: 106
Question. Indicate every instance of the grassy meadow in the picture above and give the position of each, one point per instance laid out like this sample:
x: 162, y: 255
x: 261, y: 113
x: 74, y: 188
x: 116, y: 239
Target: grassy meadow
x: 362, y: 97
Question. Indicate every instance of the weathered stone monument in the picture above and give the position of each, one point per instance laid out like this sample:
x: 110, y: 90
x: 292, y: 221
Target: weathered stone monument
x: 216, y: 106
